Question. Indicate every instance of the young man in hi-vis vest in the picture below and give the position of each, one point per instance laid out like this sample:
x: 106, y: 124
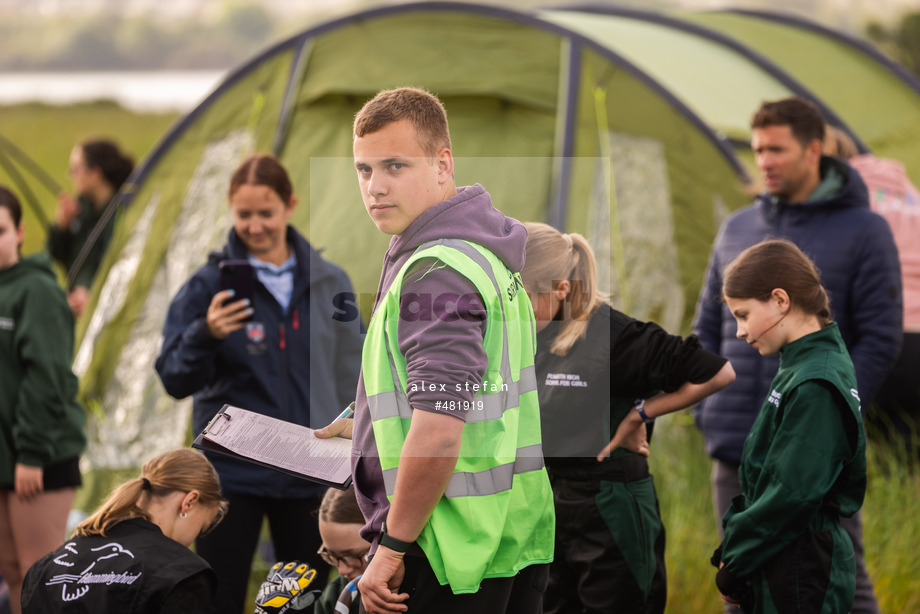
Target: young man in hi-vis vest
x: 447, y: 453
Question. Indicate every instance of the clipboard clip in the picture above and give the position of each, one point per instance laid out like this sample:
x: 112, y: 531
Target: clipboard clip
x: 214, y: 424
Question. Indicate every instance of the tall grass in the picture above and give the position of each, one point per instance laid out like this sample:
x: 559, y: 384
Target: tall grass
x: 681, y: 470
x: 891, y: 524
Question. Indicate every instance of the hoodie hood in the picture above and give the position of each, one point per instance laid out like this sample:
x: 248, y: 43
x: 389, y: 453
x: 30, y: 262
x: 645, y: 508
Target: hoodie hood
x: 468, y: 216
x: 28, y: 265
x: 852, y: 191
x: 895, y: 198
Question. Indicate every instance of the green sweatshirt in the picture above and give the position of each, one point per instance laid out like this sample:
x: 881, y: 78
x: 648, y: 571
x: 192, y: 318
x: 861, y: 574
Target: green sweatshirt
x: 803, y: 466
x: 41, y: 422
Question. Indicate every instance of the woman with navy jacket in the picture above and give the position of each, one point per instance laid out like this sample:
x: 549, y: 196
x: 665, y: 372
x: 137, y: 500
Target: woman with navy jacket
x: 286, y: 353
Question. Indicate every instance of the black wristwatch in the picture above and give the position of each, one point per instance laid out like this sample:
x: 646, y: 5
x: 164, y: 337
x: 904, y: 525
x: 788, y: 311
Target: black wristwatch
x: 397, y: 545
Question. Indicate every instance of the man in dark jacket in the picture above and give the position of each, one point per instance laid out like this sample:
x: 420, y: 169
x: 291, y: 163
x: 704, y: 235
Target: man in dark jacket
x: 820, y: 204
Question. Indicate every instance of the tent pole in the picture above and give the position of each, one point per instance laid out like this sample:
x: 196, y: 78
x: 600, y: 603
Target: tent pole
x: 569, y: 78
x: 290, y: 94
x: 24, y: 160
x: 616, y: 239
x: 27, y: 195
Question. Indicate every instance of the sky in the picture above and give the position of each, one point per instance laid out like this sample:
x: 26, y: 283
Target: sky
x: 841, y: 10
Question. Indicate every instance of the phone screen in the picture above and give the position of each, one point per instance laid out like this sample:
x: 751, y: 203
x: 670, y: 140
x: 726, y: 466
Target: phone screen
x: 237, y: 275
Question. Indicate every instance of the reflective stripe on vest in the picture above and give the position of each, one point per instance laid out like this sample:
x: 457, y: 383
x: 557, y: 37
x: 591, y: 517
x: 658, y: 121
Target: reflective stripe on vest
x: 499, y: 491
x: 389, y: 404
x: 382, y: 404
x: 488, y: 482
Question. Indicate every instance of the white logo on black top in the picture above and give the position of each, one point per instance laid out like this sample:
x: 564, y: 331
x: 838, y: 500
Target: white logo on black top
x: 568, y: 380
x: 7, y: 324
x: 77, y: 583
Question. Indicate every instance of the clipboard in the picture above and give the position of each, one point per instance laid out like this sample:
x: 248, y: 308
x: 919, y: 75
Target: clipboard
x: 277, y: 444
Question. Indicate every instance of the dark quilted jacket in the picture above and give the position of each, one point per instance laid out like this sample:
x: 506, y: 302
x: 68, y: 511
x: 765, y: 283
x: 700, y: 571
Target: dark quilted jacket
x: 855, y: 253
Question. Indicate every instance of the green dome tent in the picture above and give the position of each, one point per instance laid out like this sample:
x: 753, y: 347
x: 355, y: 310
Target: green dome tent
x: 627, y: 127
x: 876, y: 97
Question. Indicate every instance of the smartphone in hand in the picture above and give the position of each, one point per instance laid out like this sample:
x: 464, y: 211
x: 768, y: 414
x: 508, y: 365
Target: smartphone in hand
x: 237, y: 275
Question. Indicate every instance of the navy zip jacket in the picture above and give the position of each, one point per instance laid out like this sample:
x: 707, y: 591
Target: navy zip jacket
x: 856, y: 256
x: 300, y: 366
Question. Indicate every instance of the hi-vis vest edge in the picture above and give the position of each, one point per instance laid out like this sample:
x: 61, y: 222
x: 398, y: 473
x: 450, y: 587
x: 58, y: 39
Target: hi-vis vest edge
x: 496, y: 516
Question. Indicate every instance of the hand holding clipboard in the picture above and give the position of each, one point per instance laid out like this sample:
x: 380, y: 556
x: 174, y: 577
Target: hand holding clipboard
x: 283, y: 446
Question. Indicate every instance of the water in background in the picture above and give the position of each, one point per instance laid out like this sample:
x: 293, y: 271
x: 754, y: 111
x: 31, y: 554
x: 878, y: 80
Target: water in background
x: 139, y: 91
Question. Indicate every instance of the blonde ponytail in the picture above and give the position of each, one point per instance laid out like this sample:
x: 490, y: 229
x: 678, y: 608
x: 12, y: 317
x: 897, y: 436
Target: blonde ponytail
x: 551, y: 257
x: 181, y: 470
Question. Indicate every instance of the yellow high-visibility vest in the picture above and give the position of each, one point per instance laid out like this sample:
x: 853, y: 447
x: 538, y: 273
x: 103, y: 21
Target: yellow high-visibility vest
x: 496, y: 515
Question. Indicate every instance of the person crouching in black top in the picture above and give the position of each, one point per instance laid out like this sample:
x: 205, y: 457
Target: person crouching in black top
x: 132, y: 554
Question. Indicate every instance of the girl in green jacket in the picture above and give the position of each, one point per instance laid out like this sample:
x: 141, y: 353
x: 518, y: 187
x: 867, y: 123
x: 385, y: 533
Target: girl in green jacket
x: 804, y: 463
x: 41, y: 423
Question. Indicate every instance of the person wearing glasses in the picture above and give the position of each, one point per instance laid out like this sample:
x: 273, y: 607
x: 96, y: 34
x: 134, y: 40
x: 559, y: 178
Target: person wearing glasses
x: 340, y: 519
x: 132, y: 554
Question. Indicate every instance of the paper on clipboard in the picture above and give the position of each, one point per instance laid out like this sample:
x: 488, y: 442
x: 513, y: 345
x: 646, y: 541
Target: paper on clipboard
x: 278, y: 444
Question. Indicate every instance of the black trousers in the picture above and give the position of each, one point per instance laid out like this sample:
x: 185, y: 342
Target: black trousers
x: 520, y: 594
x: 895, y: 415
x: 230, y: 547
x: 609, y: 553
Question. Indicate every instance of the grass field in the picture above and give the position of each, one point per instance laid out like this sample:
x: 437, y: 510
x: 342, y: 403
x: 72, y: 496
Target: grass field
x: 680, y: 466
x: 679, y: 462
x: 891, y: 523
x: 48, y: 133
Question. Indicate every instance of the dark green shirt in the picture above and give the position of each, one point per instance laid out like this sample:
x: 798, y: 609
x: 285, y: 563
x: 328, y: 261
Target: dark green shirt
x: 41, y: 422
x: 804, y: 462
x: 65, y: 245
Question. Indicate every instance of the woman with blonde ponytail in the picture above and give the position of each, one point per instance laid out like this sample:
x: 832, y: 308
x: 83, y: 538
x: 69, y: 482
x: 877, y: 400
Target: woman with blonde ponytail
x: 599, y: 373
x: 132, y: 554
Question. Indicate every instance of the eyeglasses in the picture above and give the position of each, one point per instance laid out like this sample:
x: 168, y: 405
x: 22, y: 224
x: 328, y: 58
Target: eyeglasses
x: 221, y: 512
x: 334, y: 558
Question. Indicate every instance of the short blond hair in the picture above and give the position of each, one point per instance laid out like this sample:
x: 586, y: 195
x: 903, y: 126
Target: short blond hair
x: 420, y: 107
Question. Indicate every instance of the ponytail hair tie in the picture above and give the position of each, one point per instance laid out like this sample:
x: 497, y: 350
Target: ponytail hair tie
x: 146, y: 485
x: 568, y: 239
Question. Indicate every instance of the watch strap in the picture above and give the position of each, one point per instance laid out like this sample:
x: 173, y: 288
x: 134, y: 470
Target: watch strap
x: 397, y: 545
x: 640, y: 407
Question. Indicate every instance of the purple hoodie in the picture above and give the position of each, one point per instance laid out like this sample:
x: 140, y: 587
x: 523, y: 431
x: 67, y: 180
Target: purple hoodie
x: 441, y: 340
